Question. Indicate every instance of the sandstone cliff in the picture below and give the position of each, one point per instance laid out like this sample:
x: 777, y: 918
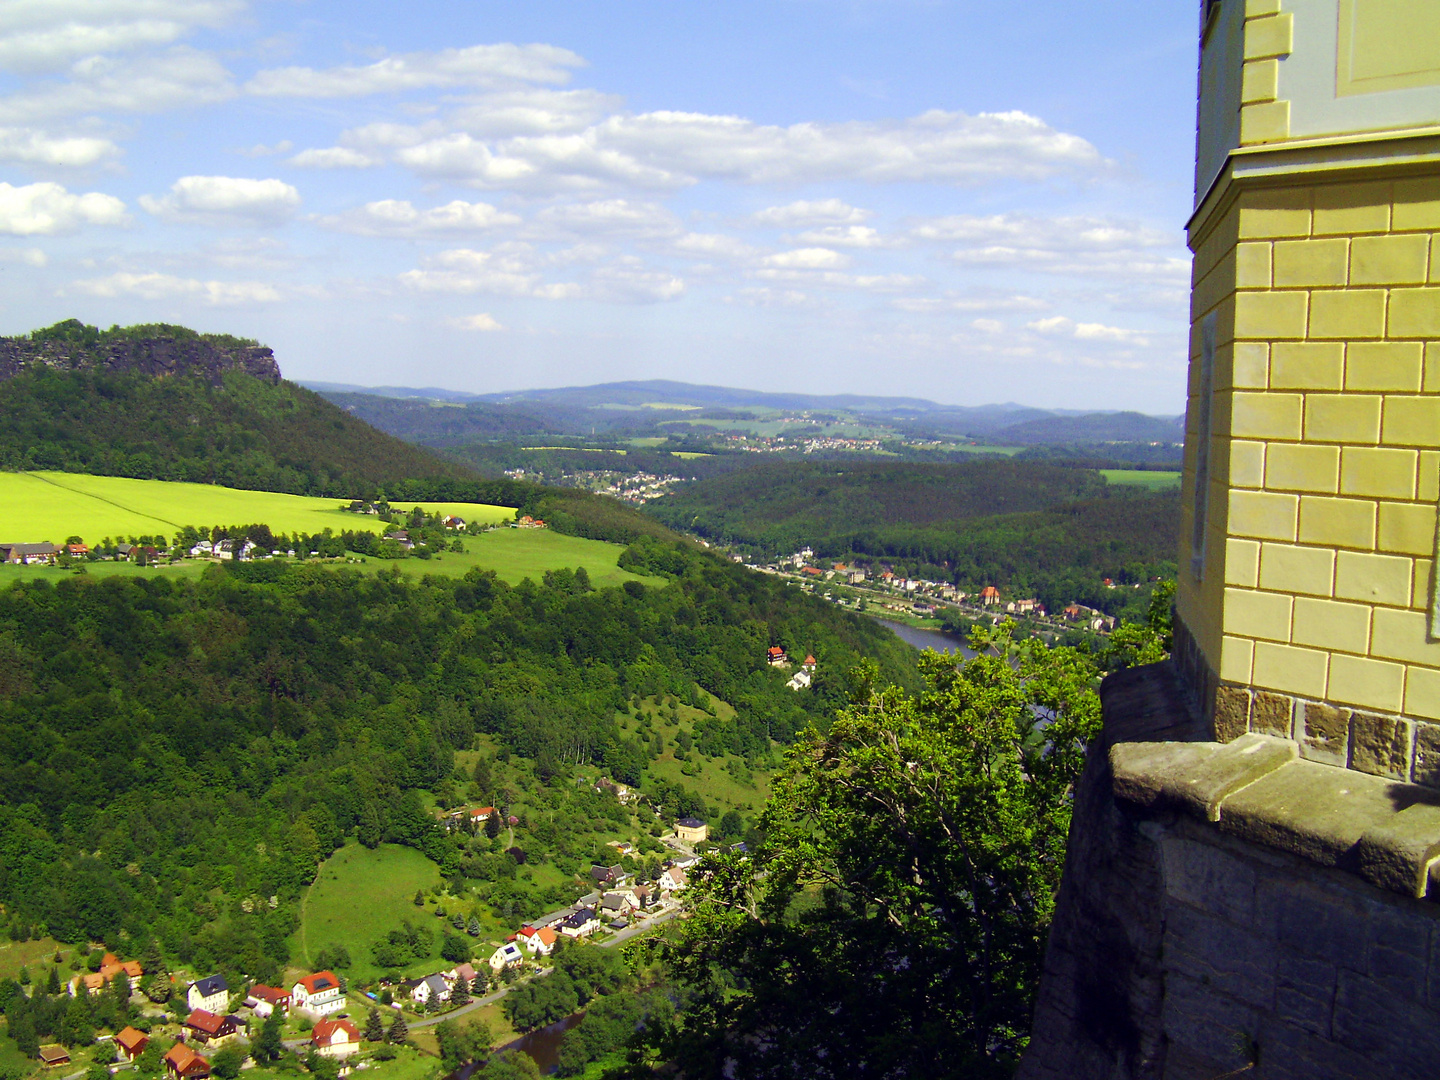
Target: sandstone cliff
x: 156, y: 350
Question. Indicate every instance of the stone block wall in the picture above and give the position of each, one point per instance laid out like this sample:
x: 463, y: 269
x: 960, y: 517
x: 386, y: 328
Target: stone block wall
x: 1183, y: 949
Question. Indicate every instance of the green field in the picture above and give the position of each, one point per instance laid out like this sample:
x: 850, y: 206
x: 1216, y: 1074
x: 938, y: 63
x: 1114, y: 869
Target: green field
x: 358, y: 897
x: 1155, y: 481
x: 50, y: 506
x: 515, y: 554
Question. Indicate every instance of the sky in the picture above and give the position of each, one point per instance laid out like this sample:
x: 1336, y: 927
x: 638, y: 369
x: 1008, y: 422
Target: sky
x: 968, y: 202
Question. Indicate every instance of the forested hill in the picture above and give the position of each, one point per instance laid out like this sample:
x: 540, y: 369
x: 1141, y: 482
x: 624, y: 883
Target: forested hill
x: 162, y: 402
x: 782, y: 506
x: 169, y: 750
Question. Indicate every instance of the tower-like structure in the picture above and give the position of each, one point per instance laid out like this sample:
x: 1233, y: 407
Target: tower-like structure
x: 1312, y: 453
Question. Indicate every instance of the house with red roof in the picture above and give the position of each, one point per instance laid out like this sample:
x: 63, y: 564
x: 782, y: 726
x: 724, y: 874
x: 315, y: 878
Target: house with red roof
x: 264, y: 1000
x: 540, y: 942
x: 335, y: 1038
x: 185, y: 1064
x: 989, y: 595
x: 318, y: 994
x: 206, y: 1027
x: 775, y: 656
x: 131, y: 1042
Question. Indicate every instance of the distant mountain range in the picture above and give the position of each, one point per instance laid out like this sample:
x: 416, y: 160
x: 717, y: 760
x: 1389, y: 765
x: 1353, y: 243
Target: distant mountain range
x: 582, y: 409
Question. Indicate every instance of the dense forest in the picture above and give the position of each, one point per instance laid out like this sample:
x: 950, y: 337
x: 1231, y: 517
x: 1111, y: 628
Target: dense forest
x: 170, y: 750
x: 780, y: 507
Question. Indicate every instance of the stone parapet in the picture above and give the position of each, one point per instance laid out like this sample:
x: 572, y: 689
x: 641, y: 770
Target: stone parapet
x: 1237, y: 909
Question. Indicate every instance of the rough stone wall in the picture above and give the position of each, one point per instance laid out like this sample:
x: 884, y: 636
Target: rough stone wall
x: 152, y: 356
x: 1182, y: 953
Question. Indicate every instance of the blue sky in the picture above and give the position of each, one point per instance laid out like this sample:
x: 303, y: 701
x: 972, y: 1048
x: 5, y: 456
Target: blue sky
x: 962, y: 201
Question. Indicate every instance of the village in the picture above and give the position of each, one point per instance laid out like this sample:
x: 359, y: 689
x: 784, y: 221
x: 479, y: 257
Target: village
x: 191, y: 1028
x: 882, y: 592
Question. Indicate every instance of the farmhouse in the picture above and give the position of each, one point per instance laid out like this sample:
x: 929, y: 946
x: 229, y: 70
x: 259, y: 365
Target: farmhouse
x: 318, y: 994
x: 131, y: 1042
x: 28, y: 553
x: 462, y: 972
x: 211, y: 993
x: 775, y: 656
x: 207, y: 1027
x: 691, y: 830
x: 182, y: 1062
x: 335, y: 1038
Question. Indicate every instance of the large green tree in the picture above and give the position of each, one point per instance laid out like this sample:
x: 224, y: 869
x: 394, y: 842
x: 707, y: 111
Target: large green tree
x: 892, y: 924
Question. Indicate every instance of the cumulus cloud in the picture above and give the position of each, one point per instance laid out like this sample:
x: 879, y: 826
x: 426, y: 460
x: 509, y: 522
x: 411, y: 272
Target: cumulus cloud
x: 854, y: 236
x: 260, y: 150
x: 507, y: 270
x: 798, y: 215
x: 808, y: 259
x: 969, y: 302
x: 45, y: 35
x: 476, y: 66
x: 1058, y: 245
x: 31, y: 147
x: 224, y: 200
x: 533, y: 110
x: 611, y: 218
x: 398, y: 217
x: 153, y: 286
x: 666, y: 150
x: 46, y: 209
x: 180, y: 77
x: 336, y: 157
x: 483, y: 322
x: 1060, y: 326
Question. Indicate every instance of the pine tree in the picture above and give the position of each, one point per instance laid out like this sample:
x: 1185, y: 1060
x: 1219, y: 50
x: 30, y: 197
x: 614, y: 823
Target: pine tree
x: 399, y: 1031
x: 52, y: 984
x: 374, y: 1027
x: 269, y: 1044
x: 479, y: 984
x: 419, y: 898
x: 492, y: 825
x: 474, y: 928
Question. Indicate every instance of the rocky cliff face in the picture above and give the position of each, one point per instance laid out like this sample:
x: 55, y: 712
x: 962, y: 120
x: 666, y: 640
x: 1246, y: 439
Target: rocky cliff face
x: 156, y: 356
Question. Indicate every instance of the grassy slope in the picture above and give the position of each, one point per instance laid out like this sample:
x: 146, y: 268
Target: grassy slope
x: 358, y: 897
x: 50, y: 506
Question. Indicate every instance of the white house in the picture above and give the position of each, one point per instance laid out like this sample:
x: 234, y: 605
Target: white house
x: 673, y: 879
x: 430, y: 989
x: 335, y: 1038
x: 211, y: 994
x: 507, y: 955
x: 581, y: 924
x: 540, y: 942
x: 318, y: 994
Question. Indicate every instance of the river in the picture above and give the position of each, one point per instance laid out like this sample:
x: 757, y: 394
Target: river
x: 928, y: 639
x: 542, y: 1044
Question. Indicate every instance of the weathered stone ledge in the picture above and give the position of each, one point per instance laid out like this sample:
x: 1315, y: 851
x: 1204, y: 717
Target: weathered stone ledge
x: 1257, y: 788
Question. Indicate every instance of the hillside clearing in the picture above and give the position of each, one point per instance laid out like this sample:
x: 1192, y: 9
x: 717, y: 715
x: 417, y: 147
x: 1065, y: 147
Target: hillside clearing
x: 1155, y: 481
x: 359, y: 895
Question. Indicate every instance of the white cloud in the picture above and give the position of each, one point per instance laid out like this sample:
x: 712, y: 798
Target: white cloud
x: 397, y: 217
x: 968, y: 302
x: 804, y: 213
x: 628, y: 282
x: 178, y: 78
x: 761, y: 296
x: 813, y: 258
x: 1060, y: 326
x: 45, y: 35
x: 260, y: 150
x: 45, y: 209
x: 855, y: 236
x: 225, y: 200
x: 988, y: 326
x: 1077, y: 245
x: 508, y: 270
x: 336, y: 157
x: 32, y: 147
x: 666, y: 150
x: 880, y: 283
x: 153, y: 286
x: 483, y: 322
x: 476, y: 66
x: 712, y: 246
x: 533, y: 110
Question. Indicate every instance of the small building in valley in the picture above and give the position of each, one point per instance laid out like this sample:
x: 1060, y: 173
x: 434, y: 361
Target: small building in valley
x: 691, y: 830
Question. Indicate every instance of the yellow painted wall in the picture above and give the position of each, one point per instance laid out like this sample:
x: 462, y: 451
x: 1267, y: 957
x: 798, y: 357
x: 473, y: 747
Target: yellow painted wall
x: 1325, y: 451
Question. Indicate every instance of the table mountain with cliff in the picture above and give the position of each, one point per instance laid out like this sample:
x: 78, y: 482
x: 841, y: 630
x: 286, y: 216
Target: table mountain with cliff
x: 165, y: 402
